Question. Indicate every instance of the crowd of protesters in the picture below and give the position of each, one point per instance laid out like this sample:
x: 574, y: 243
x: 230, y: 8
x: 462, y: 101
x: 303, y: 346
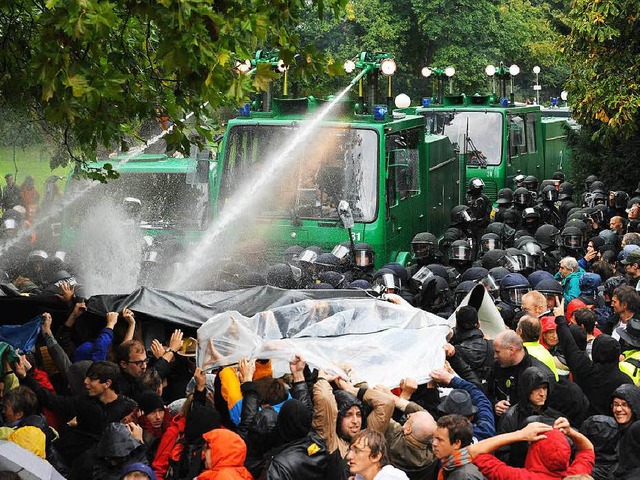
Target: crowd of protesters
x: 554, y: 395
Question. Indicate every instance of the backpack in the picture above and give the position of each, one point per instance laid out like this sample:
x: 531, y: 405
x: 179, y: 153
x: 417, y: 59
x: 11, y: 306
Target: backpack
x: 190, y: 463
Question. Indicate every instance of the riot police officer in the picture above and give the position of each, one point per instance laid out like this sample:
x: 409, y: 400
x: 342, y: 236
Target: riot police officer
x: 478, y: 202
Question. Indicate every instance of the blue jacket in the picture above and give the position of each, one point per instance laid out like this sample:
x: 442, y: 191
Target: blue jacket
x: 484, y: 422
x: 570, y: 284
x: 96, y: 350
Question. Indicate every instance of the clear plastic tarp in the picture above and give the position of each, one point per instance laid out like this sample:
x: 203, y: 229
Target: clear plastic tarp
x: 382, y: 342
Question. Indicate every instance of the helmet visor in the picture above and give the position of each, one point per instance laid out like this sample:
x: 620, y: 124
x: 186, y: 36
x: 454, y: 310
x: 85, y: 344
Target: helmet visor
x: 532, y: 249
x: 422, y: 277
x: 460, y: 252
x: 308, y: 256
x: 340, y: 251
x: 514, y: 263
x: 423, y: 249
x: 550, y: 195
x: 514, y: 295
x: 489, y: 283
x: 465, y: 216
x: 364, y: 258
x: 488, y: 244
x: 521, y: 199
x: 387, y: 280
x: 572, y: 241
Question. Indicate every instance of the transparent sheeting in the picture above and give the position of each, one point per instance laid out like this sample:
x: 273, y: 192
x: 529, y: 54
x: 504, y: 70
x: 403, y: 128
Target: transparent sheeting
x: 374, y: 337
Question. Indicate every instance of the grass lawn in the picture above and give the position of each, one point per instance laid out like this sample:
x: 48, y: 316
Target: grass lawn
x: 32, y: 161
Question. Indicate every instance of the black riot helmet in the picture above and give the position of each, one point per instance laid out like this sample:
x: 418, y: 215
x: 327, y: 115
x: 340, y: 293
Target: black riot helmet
x: 511, y: 218
x: 424, y: 245
x: 549, y: 194
x: 292, y: 254
x: 493, y: 258
x: 513, y: 287
x: 572, y: 237
x: 532, y: 248
x: 522, y: 197
x: 438, y: 270
x: 460, y: 250
x: 476, y: 185
x: 498, y: 273
x: 546, y: 236
x: 505, y: 196
x: 385, y: 280
x: 558, y: 176
x: 490, y: 241
x: 600, y: 214
x: 461, y: 215
x: 549, y: 288
x: 531, y: 183
x: 524, y: 239
x: 518, y: 261
x: 518, y: 181
x: 327, y: 262
x: 474, y: 274
x: 565, y: 191
x: 365, y: 256
x: 462, y: 290
x: 503, y: 230
x: 589, y: 181
x: 578, y: 223
x: 531, y: 213
x: 598, y: 187
x: 620, y: 200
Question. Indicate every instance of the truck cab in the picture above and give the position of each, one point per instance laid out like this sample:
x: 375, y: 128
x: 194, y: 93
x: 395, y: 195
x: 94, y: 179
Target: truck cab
x: 398, y: 178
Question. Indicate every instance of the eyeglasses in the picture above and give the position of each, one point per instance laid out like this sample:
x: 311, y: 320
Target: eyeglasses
x: 357, y: 450
x: 138, y: 363
x: 620, y: 405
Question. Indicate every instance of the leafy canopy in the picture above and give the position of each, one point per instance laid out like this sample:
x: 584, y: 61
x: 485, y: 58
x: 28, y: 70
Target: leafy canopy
x: 98, y: 68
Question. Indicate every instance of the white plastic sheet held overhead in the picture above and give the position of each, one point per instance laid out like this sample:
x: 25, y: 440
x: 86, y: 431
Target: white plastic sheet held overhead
x: 382, y: 342
x: 491, y: 322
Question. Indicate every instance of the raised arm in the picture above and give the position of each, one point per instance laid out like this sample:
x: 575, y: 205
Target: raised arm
x: 531, y: 433
x: 325, y: 411
x: 58, y: 355
x: 382, y: 404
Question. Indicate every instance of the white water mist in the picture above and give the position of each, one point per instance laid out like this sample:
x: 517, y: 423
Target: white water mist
x: 251, y: 194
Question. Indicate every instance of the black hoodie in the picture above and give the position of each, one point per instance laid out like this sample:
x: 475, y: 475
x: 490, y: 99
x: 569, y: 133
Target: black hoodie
x: 603, y: 432
x: 516, y: 417
x: 629, y: 466
x: 597, y: 378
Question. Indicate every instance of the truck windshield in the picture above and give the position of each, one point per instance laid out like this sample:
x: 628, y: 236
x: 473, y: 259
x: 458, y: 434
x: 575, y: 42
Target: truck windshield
x: 167, y: 200
x: 337, y: 164
x: 476, y: 134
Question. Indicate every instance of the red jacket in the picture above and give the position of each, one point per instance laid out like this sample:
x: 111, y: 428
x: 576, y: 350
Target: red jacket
x: 547, y: 459
x: 167, y: 442
x: 42, y: 378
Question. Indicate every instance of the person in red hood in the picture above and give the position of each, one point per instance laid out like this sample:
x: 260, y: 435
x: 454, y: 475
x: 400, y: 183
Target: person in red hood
x: 224, y: 456
x: 548, y: 456
x: 548, y: 334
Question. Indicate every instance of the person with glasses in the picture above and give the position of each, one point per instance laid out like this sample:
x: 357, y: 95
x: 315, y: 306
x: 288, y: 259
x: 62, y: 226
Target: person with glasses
x: 132, y: 360
x: 368, y: 458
